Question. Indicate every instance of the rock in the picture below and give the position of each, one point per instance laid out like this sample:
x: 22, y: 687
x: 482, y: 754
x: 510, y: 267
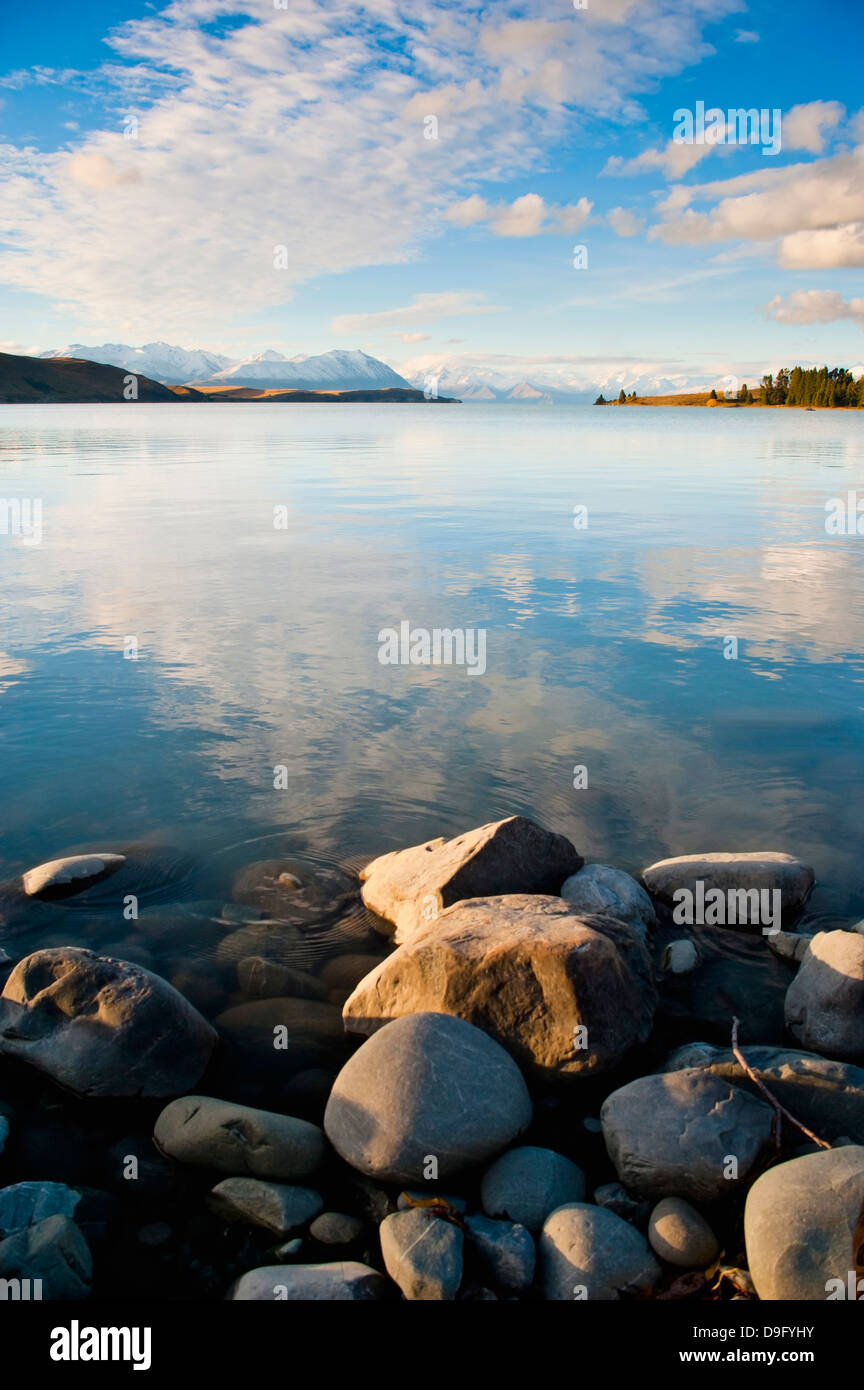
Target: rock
x: 275, y: 1206
x: 27, y: 1203
x: 335, y: 1228
x: 238, y: 1140
x: 827, y: 1096
x: 425, y: 1087
x: 679, y: 957
x: 598, y: 888
x: 802, y: 1226
x: 588, y: 1252
x: 267, y: 979
x: 526, y: 1184
x: 290, y: 1248
x: 289, y: 891
x: 285, y: 1034
x: 202, y: 985
x: 102, y: 1027
x: 681, y: 1236
x: 139, y: 1172
x: 763, y: 870
x: 615, y: 1197
x: 825, y: 1001
x: 154, y: 1235
x: 132, y: 951
x: 411, y: 887
x: 505, y: 1250
x: 789, y: 946
x: 422, y: 1254
x: 346, y: 972
x: 62, y: 877
x: 275, y: 941
x: 343, y: 1282
x: 566, y: 995
x: 52, y: 1251
x: 674, y: 1135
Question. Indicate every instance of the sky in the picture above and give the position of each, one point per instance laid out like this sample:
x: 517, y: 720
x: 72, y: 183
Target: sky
x: 495, y: 188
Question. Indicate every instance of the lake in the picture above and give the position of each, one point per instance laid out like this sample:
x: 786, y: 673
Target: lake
x: 205, y: 604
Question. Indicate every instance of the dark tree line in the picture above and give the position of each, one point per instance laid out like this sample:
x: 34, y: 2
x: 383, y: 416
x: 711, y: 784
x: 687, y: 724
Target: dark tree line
x: 816, y: 386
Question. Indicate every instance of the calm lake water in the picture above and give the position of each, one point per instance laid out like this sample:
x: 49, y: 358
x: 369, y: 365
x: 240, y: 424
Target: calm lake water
x: 258, y: 647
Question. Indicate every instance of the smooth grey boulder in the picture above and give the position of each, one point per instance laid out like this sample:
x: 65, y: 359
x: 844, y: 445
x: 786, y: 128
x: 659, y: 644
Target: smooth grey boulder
x: 802, y: 1225
x: 505, y: 1251
x: 267, y: 979
x: 70, y: 874
x: 588, y: 1252
x: 826, y: 1095
x: 275, y: 1206
x: 336, y: 1228
x: 612, y: 893
x: 681, y: 1236
x: 679, y: 957
x: 26, y: 1203
x: 685, y: 1134
x: 526, y: 1184
x: 765, y: 869
x: 412, y: 887
x: 566, y: 995
x: 426, y: 1087
x: 346, y: 1281
x: 102, y: 1027
x: 422, y: 1254
x: 825, y: 1001
x: 52, y: 1251
x: 238, y: 1139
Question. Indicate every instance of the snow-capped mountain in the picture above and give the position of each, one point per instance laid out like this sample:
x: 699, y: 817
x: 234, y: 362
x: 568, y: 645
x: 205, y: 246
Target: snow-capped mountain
x: 160, y: 361
x: 335, y: 371
x: 471, y: 379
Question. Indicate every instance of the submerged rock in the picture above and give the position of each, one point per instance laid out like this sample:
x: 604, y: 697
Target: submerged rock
x: 611, y: 893
x: 526, y: 1184
x: 237, y: 1139
x: 685, y: 1134
x: 62, y: 877
x: 290, y: 891
x: 802, y: 1226
x: 26, y: 1203
x: 342, y: 1282
x: 411, y: 887
x: 425, y: 1097
x: 680, y: 957
x: 764, y: 870
x: 267, y: 979
x: 825, y: 1001
x: 102, y: 1027
x: 276, y: 1032
x: 422, y: 1254
x: 588, y: 1252
x: 566, y: 995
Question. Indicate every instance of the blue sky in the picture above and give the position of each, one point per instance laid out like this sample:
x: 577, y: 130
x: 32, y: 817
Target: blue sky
x: 154, y: 158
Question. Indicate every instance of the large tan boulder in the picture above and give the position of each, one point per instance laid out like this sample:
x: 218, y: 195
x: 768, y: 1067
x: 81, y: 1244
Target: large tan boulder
x: 825, y: 1001
x: 567, y: 995
x: 411, y: 887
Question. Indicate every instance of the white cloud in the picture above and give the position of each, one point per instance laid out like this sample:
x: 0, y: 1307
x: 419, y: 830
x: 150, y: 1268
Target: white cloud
x: 527, y: 216
x: 427, y: 308
x: 624, y: 222
x: 804, y: 127
x: 303, y: 128
x: 746, y: 36
x: 815, y: 306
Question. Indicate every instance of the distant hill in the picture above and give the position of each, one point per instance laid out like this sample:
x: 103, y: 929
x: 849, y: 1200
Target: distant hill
x: 173, y: 366
x: 25, y: 380
x: 41, y: 380
x: 328, y: 371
